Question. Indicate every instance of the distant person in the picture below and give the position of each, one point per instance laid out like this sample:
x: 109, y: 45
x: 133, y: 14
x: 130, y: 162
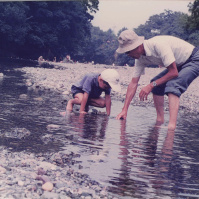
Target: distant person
x: 67, y: 59
x: 88, y: 90
x: 181, y: 60
x: 41, y: 60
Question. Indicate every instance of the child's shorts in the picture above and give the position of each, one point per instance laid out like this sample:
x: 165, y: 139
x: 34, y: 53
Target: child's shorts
x: 76, y: 90
x: 186, y: 74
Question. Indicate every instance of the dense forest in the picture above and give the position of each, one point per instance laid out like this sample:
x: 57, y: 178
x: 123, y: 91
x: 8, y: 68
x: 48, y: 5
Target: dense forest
x: 29, y: 29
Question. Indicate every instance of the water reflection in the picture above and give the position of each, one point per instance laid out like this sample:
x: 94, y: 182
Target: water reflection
x: 89, y: 126
x: 145, y: 163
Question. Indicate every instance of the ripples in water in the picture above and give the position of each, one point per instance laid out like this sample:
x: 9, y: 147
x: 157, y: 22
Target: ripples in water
x: 132, y: 157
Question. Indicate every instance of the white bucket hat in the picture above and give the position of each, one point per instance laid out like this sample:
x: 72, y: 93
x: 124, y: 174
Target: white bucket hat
x: 113, y: 78
x: 128, y: 40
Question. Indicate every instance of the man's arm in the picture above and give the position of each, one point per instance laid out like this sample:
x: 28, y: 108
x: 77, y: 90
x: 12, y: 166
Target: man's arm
x: 84, y: 102
x: 172, y: 73
x: 131, y: 90
x: 108, y: 104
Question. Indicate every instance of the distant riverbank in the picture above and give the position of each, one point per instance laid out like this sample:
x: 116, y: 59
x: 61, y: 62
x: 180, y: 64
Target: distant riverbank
x: 61, y: 76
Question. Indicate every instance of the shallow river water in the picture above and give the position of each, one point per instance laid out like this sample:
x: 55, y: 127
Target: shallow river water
x: 132, y: 157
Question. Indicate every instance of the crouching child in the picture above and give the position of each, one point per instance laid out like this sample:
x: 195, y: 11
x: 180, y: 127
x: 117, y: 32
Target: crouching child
x: 88, y: 90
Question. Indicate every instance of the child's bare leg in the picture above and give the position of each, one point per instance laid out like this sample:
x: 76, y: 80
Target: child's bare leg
x: 76, y: 100
x: 99, y: 102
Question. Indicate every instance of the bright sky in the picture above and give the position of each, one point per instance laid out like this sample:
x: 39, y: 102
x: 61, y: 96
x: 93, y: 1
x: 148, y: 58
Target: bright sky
x: 116, y: 14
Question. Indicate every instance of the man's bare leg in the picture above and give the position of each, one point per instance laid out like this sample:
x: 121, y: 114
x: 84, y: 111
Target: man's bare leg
x: 159, y: 105
x: 174, y: 102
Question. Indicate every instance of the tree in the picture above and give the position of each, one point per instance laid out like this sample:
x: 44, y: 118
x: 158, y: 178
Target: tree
x: 52, y: 28
x: 192, y: 24
x: 166, y: 23
x: 14, y: 26
x: 100, y: 47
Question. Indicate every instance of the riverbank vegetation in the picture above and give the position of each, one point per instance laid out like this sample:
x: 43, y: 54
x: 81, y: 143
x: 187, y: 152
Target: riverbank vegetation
x: 29, y: 29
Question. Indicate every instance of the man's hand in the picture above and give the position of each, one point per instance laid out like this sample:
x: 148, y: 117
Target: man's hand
x: 145, y: 91
x: 122, y: 115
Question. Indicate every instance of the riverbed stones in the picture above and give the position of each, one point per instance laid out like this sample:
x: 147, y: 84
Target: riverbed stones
x: 19, y: 133
x: 48, y: 186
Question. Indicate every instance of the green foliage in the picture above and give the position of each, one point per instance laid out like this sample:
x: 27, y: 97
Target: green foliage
x: 53, y: 28
x: 192, y: 24
x: 100, y: 47
x: 166, y: 23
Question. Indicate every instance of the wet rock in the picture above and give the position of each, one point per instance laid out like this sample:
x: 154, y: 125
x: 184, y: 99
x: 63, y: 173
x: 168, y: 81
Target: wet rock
x: 23, y: 96
x: 38, y: 99
x: 18, y: 133
x: 48, y: 186
x: 29, y: 83
x: 51, y: 127
x: 57, y: 158
x: 47, y: 138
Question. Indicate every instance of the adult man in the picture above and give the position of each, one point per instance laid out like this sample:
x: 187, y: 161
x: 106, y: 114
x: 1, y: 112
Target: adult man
x: 179, y: 57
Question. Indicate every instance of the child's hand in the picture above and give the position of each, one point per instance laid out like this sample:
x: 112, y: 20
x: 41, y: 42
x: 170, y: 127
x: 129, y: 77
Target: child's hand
x: 83, y: 112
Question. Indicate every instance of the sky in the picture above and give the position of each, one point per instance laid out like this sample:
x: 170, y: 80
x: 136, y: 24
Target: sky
x: 116, y: 14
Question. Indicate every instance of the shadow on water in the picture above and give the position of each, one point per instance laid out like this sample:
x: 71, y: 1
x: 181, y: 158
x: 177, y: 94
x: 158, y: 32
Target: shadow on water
x: 132, y: 157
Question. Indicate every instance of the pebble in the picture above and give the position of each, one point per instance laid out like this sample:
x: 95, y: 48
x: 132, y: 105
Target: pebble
x: 53, y: 127
x: 20, y: 183
x: 2, y: 170
x: 23, y: 96
x: 48, y: 186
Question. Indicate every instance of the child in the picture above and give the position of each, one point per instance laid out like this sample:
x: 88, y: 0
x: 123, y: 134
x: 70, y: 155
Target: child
x: 88, y: 90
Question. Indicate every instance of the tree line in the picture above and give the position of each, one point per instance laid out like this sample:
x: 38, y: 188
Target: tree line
x: 29, y: 29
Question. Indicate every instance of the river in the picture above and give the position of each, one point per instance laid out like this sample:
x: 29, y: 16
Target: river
x: 132, y: 157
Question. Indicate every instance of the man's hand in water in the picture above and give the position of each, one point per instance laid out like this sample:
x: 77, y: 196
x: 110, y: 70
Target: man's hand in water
x: 122, y: 115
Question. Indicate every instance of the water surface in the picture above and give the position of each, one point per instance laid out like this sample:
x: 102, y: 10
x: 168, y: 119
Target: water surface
x: 132, y: 157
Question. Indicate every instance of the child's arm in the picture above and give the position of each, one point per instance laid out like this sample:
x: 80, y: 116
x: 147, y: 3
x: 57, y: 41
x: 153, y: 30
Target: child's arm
x: 84, y: 102
x: 108, y: 104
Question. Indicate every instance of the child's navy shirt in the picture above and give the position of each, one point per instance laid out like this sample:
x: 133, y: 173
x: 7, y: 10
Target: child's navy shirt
x: 90, y: 85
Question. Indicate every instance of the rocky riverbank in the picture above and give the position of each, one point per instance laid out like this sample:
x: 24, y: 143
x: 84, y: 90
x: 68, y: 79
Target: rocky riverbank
x: 61, y: 76
x: 47, y: 176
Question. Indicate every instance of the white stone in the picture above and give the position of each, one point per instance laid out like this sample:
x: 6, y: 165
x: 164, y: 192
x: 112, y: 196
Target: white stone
x: 48, y: 186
